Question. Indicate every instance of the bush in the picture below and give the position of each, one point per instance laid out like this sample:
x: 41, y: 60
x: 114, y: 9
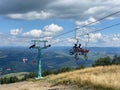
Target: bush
x: 7, y: 80
x: 64, y: 69
x: 116, y: 60
x: 47, y: 72
x: 30, y: 75
x: 103, y: 61
x: 13, y: 79
x: 80, y: 67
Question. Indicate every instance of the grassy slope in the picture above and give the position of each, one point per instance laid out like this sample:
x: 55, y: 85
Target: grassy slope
x: 98, y: 78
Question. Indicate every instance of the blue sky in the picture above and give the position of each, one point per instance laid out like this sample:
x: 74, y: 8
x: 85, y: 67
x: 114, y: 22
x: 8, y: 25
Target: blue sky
x: 24, y: 20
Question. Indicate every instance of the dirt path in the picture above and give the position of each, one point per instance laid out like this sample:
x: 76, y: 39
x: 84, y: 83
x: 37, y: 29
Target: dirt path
x: 29, y: 85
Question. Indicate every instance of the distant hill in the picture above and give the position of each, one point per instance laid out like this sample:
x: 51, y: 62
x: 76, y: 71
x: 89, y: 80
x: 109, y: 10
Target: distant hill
x: 52, y: 58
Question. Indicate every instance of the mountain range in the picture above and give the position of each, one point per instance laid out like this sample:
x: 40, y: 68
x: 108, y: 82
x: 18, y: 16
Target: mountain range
x: 12, y: 58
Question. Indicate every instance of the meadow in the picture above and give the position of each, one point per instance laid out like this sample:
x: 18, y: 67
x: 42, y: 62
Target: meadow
x: 96, y: 78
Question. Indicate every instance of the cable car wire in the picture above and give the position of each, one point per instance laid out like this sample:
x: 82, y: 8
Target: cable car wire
x: 95, y: 31
x: 103, y: 28
x: 88, y: 24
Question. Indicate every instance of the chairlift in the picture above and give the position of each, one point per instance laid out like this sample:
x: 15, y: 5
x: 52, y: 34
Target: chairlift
x: 15, y: 69
x: 25, y: 57
x: 34, y: 58
x: 34, y: 62
x: 78, y: 50
x: 25, y: 60
x: 1, y: 73
x: 8, y: 69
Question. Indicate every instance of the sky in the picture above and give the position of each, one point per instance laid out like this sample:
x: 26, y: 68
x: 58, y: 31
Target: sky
x: 24, y: 20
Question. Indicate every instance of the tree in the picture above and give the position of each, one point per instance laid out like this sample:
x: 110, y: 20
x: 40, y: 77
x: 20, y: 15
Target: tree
x: 5, y: 80
x: 13, y: 79
x: 102, y: 61
x: 116, y: 59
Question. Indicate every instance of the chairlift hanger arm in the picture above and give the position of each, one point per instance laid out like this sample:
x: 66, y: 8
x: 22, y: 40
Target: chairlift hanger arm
x: 39, y: 41
x: 34, y: 45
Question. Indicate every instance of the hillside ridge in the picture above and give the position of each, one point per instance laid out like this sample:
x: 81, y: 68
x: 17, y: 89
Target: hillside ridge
x: 93, y: 78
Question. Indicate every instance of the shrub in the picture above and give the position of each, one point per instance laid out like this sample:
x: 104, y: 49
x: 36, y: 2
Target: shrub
x: 116, y: 60
x: 103, y: 61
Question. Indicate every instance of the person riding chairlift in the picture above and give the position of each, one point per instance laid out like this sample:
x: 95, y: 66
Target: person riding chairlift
x: 76, y: 51
x: 80, y: 50
x: 75, y: 48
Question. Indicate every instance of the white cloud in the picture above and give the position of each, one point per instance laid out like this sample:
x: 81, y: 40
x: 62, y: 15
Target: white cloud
x: 112, y: 40
x: 15, y: 31
x: 112, y: 2
x: 56, y: 41
x: 90, y: 20
x: 47, y: 32
x: 100, y: 40
x: 94, y: 37
x: 71, y: 40
x: 60, y: 9
x: 115, y: 39
x: 96, y: 9
x: 11, y: 40
x: 47, y: 38
x: 97, y: 39
x: 33, y: 33
x: 52, y: 28
x: 31, y: 15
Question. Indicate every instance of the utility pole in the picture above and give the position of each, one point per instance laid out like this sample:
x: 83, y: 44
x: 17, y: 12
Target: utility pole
x: 39, y: 48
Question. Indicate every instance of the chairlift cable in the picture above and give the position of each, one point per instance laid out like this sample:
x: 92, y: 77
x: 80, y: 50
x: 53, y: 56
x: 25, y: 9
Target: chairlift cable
x: 102, y: 29
x: 96, y: 30
x: 88, y: 24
